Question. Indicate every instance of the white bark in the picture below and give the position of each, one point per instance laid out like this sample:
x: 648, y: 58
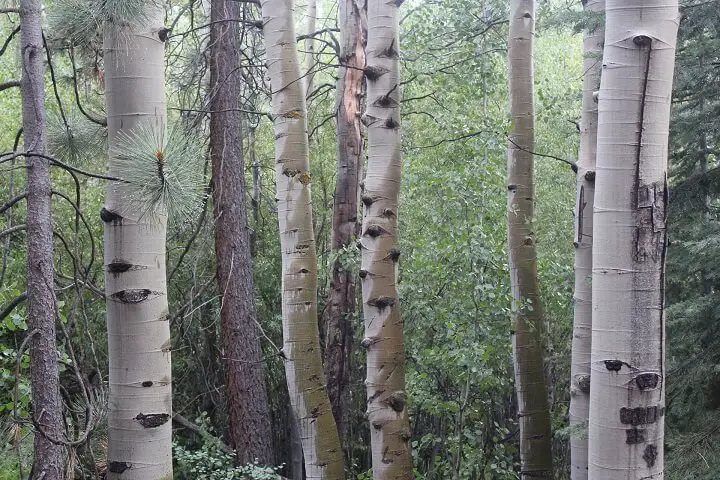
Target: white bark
x: 384, y: 340
x: 139, y: 427
x: 582, y: 326
x: 310, y: 46
x: 301, y: 339
x: 627, y: 398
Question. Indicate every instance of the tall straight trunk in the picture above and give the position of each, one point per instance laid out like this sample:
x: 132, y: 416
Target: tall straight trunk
x: 340, y: 308
x: 384, y: 336
x: 44, y: 377
x: 628, y: 345
x: 140, y: 402
x: 248, y: 406
x: 310, y: 47
x: 582, y: 300
x: 301, y: 345
x: 528, y: 328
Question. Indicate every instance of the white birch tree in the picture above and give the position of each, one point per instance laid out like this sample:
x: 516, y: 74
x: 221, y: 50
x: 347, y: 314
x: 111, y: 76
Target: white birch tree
x: 301, y: 338
x: 384, y: 335
x: 140, y: 401
x: 582, y: 299
x: 627, y: 398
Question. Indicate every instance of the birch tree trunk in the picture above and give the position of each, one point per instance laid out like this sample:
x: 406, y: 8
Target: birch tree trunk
x: 384, y: 341
x: 340, y: 308
x: 44, y: 376
x: 582, y: 300
x: 628, y: 346
x: 140, y: 402
x: 248, y: 406
x: 310, y: 47
x: 528, y: 329
x: 301, y: 345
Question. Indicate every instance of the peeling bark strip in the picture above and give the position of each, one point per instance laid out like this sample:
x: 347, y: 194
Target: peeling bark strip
x: 301, y: 342
x: 628, y: 346
x: 48, y: 460
x: 386, y: 406
x: 528, y: 323
x: 340, y: 308
x: 135, y: 265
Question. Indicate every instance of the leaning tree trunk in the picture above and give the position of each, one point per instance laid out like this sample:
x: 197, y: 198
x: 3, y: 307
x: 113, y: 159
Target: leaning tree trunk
x: 528, y: 330
x: 387, y: 398
x: 582, y: 326
x: 301, y: 346
x: 340, y: 308
x: 140, y: 403
x: 44, y: 377
x: 628, y: 346
x: 248, y: 407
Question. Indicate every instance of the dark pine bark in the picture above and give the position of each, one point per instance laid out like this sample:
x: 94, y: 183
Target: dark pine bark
x: 45, y: 383
x: 248, y: 408
x: 341, y: 302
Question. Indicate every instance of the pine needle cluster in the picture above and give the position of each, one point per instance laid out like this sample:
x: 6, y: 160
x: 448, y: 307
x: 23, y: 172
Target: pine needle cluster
x: 75, y: 140
x: 81, y: 21
x: 161, y: 170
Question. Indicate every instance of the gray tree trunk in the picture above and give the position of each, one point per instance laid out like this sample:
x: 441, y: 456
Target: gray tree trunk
x: 248, y: 406
x: 528, y: 328
x: 44, y: 377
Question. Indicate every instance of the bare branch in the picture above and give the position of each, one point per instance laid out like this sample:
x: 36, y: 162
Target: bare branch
x: 10, y: 203
x: 572, y: 164
x: 12, y: 305
x: 9, y: 84
x: 11, y: 230
x: 8, y: 40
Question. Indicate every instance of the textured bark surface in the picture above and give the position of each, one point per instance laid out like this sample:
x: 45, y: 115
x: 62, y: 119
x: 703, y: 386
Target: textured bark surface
x: 140, y: 402
x: 340, y: 309
x: 528, y: 328
x: 301, y: 339
x: 384, y: 336
x: 248, y: 407
x: 582, y: 300
x: 628, y: 346
x: 44, y: 377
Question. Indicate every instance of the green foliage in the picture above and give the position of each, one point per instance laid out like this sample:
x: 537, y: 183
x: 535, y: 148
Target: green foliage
x: 80, y: 142
x: 161, y: 171
x: 209, y: 462
x: 80, y: 22
x: 693, y: 277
